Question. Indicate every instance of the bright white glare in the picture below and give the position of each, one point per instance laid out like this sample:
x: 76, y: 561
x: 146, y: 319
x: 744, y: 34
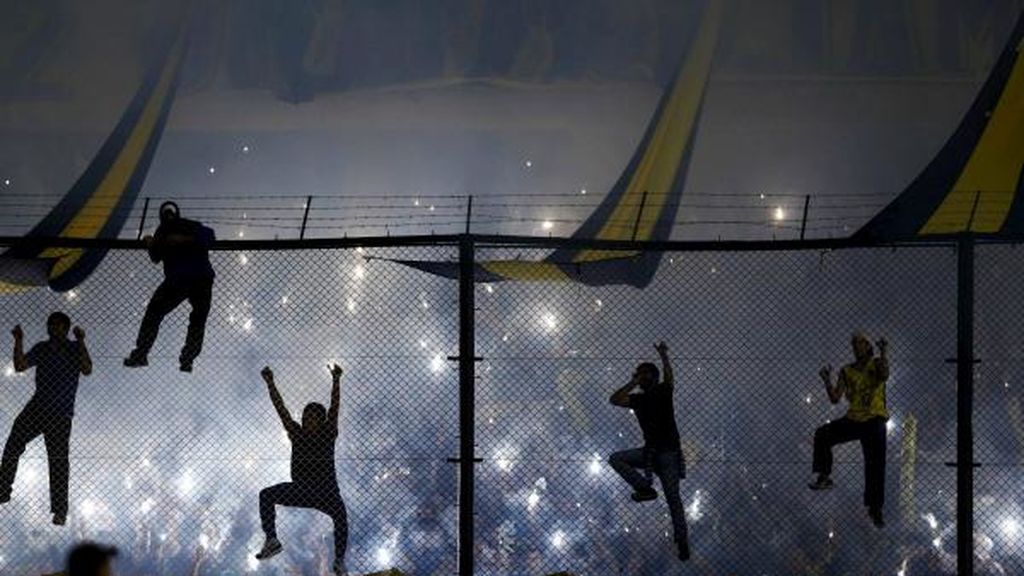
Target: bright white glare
x: 71, y: 295
x: 529, y: 163
x: 431, y: 207
x: 88, y: 508
x: 416, y: 202
x: 548, y: 225
x: 780, y: 214
x: 9, y: 370
x: 186, y: 484
x: 284, y: 299
x: 31, y: 475
x: 251, y: 563
x: 147, y: 505
x: 550, y: 322
x: 350, y: 305
x: 489, y: 288
x: 243, y: 259
x: 693, y: 511
x: 762, y: 195
x: 532, y: 500
x: 937, y: 542
x: 247, y: 325
x: 245, y: 149
x: 213, y: 170
x: 930, y: 519
x: 204, y: 541
x: 831, y: 534
x: 890, y: 425
x: 595, y: 465
x: 1010, y: 527
x: 359, y: 272
x: 241, y: 233
x: 558, y: 539
x: 808, y: 399
x: 383, y: 557
x: 583, y: 191
x: 437, y: 364
x: 7, y: 182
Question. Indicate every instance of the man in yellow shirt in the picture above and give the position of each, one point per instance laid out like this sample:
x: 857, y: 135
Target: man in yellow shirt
x: 863, y: 385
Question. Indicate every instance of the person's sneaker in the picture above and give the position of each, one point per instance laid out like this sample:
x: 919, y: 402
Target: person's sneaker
x: 645, y: 495
x: 185, y: 366
x: 272, y: 547
x: 5, y: 498
x: 136, y: 360
x: 876, y: 518
x: 60, y: 519
x: 684, y: 550
x: 821, y: 483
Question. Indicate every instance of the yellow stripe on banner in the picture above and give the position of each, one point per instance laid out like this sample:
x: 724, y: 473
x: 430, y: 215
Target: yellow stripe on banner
x: 526, y: 271
x: 993, y: 171
x: 8, y: 288
x: 662, y: 160
x: 91, y: 218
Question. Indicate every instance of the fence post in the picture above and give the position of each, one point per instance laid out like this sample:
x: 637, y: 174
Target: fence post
x: 803, y: 221
x: 142, y: 221
x: 467, y: 403
x: 964, y: 406
x: 305, y: 218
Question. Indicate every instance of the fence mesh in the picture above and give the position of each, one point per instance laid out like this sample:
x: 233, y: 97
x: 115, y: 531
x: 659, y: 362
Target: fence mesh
x: 168, y: 466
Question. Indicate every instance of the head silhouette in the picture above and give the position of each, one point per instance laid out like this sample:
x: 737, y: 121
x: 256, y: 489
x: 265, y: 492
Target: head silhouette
x: 862, y: 348
x: 90, y: 559
x: 647, y: 375
x: 314, y: 415
x: 57, y: 326
x: 169, y: 212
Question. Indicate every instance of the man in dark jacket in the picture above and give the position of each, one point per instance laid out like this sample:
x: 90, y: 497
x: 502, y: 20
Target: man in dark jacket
x: 183, y: 247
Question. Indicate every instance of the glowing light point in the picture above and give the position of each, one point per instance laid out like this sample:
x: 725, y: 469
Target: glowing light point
x: 187, y: 484
x: 71, y: 295
x: 88, y: 508
x: 437, y: 364
x: 808, y: 399
x: 7, y: 182
x: 383, y: 556
x: 548, y: 225
x: 416, y: 202
x: 9, y: 370
x: 359, y: 272
x: 780, y: 214
x: 350, y: 305
x: 890, y: 425
x: 558, y: 540
x: 529, y: 163
x: 245, y: 149
x: 147, y: 506
x: 284, y: 300
x: 241, y: 233
x: 583, y: 192
x: 550, y: 322
x: 204, y: 541
x: 532, y: 500
x: 247, y: 325
x: 1010, y: 527
x: 243, y: 259
x: 212, y: 170
x: 431, y: 207
x: 595, y: 465
x: 762, y: 195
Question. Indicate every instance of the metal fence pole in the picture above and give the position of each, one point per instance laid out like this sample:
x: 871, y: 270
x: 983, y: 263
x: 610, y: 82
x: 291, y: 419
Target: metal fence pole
x: 964, y: 407
x: 467, y: 403
x: 142, y: 221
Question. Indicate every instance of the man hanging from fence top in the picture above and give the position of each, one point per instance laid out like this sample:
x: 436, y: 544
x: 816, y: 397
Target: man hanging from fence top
x: 661, y: 454
x: 58, y: 362
x: 183, y: 247
x: 314, y: 480
x: 863, y: 384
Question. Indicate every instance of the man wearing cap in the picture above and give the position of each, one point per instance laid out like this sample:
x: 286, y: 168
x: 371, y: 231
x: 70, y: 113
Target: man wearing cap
x: 182, y: 246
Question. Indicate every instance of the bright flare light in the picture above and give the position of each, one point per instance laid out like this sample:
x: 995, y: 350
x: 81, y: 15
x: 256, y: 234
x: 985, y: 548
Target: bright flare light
x: 383, y: 557
x: 930, y: 519
x: 595, y: 465
x: 890, y: 425
x: 437, y: 364
x: 1010, y: 527
x: 147, y: 506
x: 558, y: 540
x: 549, y: 321
x: 9, y: 370
x: 780, y: 214
x: 187, y: 484
x: 88, y: 508
x: 359, y: 272
x: 693, y: 511
x: 532, y: 500
x: 548, y: 225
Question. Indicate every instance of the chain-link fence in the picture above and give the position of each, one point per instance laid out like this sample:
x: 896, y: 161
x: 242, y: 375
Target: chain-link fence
x: 169, y: 466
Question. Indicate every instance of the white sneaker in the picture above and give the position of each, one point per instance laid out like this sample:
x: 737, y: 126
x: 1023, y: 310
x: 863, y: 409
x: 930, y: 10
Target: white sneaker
x: 272, y: 547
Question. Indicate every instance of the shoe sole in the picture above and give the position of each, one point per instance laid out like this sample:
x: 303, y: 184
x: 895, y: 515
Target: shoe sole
x: 270, y: 554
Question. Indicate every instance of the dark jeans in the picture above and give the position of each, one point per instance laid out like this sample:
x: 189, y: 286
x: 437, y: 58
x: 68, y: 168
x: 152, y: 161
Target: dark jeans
x: 56, y: 431
x: 300, y: 496
x: 669, y: 466
x: 168, y: 296
x: 871, y: 435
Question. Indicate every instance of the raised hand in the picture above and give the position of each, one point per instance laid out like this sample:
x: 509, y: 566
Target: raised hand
x: 268, y: 375
x: 336, y: 371
x: 883, y: 346
x: 79, y: 333
x: 826, y: 374
x: 17, y: 332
